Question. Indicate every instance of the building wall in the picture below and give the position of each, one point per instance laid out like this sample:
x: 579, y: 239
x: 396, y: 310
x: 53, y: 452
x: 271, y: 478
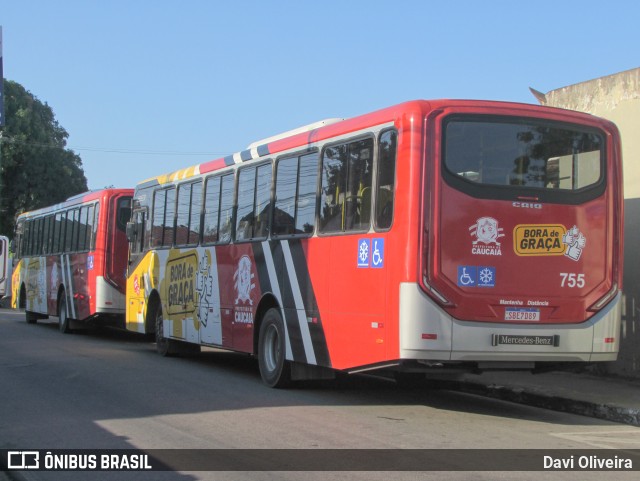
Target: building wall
x: 617, y: 98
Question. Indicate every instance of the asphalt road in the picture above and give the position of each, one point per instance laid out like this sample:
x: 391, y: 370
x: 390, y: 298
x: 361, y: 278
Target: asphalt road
x: 108, y: 389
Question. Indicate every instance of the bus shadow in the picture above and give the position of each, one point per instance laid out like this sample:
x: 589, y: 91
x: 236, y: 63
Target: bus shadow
x: 240, y: 371
x: 371, y: 390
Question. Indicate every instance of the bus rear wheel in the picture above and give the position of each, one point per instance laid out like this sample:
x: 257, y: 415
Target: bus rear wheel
x: 275, y: 370
x: 64, y: 323
x: 165, y: 347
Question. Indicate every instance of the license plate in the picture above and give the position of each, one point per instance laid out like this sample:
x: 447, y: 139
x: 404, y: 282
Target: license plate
x: 520, y: 340
x: 521, y: 314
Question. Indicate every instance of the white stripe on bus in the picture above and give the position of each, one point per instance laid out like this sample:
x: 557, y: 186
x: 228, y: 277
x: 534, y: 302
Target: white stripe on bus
x: 69, y: 291
x: 275, y: 287
x: 300, y: 310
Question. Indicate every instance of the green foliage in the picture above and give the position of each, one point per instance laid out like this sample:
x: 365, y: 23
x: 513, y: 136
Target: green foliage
x: 36, y: 168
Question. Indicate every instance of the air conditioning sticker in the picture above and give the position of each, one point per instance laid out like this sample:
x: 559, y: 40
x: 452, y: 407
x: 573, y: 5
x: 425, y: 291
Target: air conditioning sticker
x: 371, y: 253
x: 476, y: 276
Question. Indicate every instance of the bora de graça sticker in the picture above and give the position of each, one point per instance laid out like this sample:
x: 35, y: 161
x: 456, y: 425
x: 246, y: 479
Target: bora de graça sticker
x: 538, y: 239
x: 548, y: 240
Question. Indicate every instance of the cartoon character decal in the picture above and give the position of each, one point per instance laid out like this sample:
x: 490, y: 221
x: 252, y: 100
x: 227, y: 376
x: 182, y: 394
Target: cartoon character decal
x: 243, y: 281
x: 575, y: 242
x: 486, y: 233
x: 204, y: 288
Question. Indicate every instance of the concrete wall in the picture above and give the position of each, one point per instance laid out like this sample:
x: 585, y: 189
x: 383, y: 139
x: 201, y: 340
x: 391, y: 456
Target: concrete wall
x: 617, y: 98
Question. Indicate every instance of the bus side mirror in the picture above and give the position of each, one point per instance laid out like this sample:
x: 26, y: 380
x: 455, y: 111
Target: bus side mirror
x: 131, y: 231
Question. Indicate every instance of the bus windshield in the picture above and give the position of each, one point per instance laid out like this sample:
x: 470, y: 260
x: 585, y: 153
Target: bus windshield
x: 525, y: 153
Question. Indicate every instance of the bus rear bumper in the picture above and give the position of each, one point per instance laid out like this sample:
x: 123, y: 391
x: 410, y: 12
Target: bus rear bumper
x: 108, y: 299
x: 427, y: 332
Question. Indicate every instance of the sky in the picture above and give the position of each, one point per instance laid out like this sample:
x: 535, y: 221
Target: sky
x: 147, y: 87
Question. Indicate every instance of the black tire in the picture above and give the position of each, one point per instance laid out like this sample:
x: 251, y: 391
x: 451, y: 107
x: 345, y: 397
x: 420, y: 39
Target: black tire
x: 64, y: 322
x: 30, y: 317
x: 275, y: 370
x: 22, y: 298
x: 165, y: 347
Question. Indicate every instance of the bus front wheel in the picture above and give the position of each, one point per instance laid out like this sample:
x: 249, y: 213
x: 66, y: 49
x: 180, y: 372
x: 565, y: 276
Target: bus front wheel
x: 275, y: 370
x: 165, y: 347
x: 30, y: 317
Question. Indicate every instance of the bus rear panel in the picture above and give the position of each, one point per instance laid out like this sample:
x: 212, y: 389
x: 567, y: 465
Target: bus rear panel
x: 522, y: 240
x: 72, y: 259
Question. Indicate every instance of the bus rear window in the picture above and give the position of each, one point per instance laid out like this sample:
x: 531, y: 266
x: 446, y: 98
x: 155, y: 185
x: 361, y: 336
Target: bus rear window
x: 124, y: 213
x: 522, y: 153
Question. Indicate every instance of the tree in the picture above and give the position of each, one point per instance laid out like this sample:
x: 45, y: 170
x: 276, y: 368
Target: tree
x: 36, y: 168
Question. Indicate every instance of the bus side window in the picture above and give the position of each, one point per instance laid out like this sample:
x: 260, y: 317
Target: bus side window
x: 138, y: 218
x: 211, y: 211
x: 347, y: 173
x: 386, y: 183
x: 306, y: 197
x: 76, y: 229
x: 18, y: 239
x: 169, y: 218
x: 195, y: 215
x: 68, y: 231
x: 254, y: 203
x: 246, y: 194
x: 285, y: 197
x: 94, y: 232
x: 157, y: 220
x: 183, y: 215
x: 57, y: 228
x: 163, y: 221
x: 82, y: 232
x: 226, y: 209
x: 262, y: 207
x: 188, y: 216
x: 334, y: 166
x: 90, y: 213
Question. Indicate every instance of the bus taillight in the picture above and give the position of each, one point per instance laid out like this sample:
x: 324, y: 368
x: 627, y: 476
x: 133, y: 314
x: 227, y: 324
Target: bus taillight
x: 605, y: 299
x: 435, y: 294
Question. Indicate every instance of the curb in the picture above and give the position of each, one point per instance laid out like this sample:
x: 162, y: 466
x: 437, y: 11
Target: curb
x: 531, y: 397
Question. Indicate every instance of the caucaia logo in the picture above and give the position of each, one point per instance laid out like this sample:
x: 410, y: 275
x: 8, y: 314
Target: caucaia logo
x: 487, y: 233
x: 243, y: 278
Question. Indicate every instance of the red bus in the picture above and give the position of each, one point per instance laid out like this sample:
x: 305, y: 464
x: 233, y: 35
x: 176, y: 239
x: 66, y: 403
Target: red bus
x: 72, y: 259
x: 431, y: 235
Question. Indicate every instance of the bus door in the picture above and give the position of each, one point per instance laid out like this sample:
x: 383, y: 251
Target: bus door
x: 5, y: 267
x: 116, y: 258
x: 136, y: 284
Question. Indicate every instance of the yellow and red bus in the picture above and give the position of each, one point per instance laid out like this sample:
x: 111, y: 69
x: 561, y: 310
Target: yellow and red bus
x: 72, y: 260
x: 5, y: 269
x: 430, y: 235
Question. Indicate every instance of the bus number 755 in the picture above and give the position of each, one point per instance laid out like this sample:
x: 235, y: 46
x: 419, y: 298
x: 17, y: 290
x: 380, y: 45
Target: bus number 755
x: 572, y: 280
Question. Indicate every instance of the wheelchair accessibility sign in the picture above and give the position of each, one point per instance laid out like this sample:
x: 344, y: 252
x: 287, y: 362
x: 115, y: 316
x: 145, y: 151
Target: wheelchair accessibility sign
x: 476, y: 276
x: 371, y: 253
